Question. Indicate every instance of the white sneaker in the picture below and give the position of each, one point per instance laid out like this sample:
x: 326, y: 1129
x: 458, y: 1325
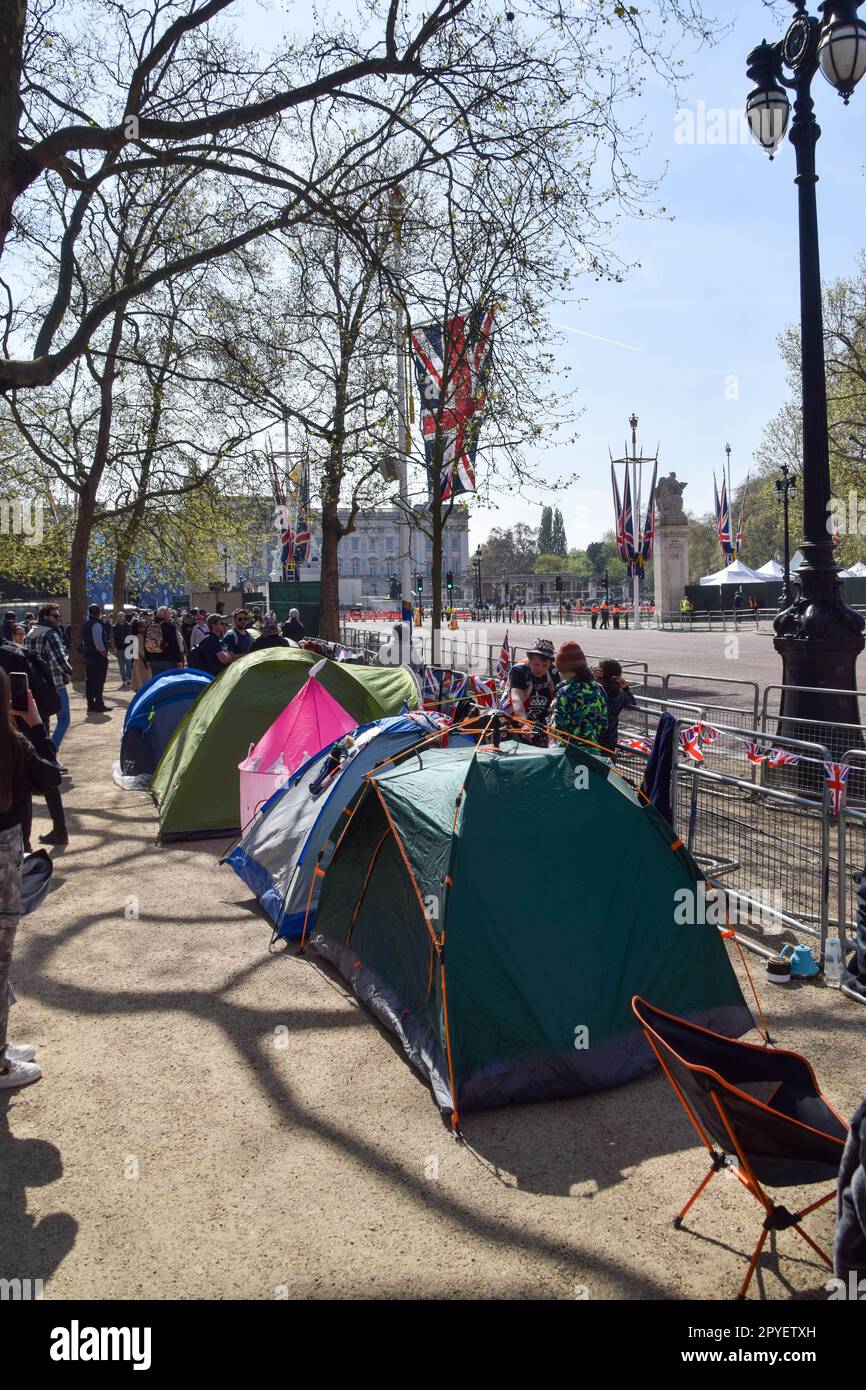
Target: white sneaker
x: 20, y: 1052
x: 18, y: 1074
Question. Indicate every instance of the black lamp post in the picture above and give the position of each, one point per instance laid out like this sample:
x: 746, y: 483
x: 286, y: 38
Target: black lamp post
x: 817, y: 635
x: 784, y: 487
x: 479, y: 597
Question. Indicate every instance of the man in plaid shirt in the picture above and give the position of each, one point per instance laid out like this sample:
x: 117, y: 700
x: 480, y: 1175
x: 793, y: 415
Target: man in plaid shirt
x: 44, y: 640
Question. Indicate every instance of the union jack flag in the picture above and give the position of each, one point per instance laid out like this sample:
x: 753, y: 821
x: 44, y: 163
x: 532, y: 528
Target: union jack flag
x: 618, y: 514
x: 503, y: 666
x: 837, y: 777
x: 723, y: 524
x: 628, y: 528
x: 441, y: 685
x: 690, y: 742
x: 287, y: 548
x: 649, y: 530
x: 484, y: 690
x: 452, y: 368
x: 755, y: 753
x: 638, y: 744
x: 708, y: 733
x: 780, y: 757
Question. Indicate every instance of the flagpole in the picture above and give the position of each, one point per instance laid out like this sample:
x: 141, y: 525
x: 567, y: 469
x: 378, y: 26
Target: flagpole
x: 404, y: 530
x: 636, y: 526
x: 731, y: 531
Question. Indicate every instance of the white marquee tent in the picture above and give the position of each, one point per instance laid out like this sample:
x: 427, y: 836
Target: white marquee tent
x: 736, y: 573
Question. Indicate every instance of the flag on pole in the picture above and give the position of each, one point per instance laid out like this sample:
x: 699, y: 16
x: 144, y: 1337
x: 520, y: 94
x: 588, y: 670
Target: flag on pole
x: 503, y: 665
x: 452, y: 368
x: 724, y: 524
x: 628, y: 527
x: 649, y: 530
x: 618, y: 514
x: 837, y: 777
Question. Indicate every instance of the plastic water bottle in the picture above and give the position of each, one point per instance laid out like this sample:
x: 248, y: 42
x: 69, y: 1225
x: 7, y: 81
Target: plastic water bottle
x: 833, y: 963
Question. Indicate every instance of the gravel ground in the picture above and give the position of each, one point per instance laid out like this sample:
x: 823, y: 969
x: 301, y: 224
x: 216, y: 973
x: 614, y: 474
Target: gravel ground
x: 216, y: 1122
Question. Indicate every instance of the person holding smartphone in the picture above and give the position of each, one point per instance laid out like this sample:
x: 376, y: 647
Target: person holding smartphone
x: 26, y: 765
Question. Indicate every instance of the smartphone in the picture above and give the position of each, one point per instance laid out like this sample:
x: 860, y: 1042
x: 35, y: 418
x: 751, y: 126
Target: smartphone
x: 20, y: 687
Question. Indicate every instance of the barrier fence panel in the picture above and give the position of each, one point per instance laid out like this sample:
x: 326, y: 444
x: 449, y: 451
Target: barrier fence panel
x: 769, y: 848
x: 851, y: 856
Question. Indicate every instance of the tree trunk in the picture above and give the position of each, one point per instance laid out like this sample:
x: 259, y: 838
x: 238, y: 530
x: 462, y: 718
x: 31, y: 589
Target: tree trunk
x: 17, y: 170
x: 78, y: 575
x: 329, y: 612
x: 118, y: 587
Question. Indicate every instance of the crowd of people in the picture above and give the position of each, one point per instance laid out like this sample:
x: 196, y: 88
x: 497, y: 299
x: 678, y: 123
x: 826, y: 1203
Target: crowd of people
x: 35, y: 672
x: 557, y: 690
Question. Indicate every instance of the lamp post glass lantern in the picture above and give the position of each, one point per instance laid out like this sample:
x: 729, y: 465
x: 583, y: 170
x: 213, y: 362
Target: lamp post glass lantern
x: 817, y: 635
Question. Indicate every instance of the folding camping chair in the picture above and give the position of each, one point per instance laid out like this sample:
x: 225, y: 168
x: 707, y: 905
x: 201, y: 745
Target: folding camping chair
x: 760, y: 1105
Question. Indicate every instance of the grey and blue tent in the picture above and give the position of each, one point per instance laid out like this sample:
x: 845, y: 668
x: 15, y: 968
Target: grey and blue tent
x: 278, y: 855
x: 152, y: 716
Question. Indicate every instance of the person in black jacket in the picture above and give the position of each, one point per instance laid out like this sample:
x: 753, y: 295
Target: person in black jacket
x: 210, y: 655
x: 293, y: 627
x: 26, y: 766
x: 94, y: 648
x: 270, y: 636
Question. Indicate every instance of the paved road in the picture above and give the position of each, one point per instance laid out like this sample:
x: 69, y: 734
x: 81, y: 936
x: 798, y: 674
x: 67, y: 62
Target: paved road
x: 714, y: 657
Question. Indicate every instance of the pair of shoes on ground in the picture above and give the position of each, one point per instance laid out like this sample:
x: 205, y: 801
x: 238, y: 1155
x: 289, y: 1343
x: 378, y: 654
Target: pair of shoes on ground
x: 18, y: 1067
x: 98, y: 709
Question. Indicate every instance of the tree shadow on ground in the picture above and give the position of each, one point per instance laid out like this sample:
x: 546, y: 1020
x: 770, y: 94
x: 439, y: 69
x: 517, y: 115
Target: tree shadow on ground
x: 29, y: 1249
x: 250, y: 1031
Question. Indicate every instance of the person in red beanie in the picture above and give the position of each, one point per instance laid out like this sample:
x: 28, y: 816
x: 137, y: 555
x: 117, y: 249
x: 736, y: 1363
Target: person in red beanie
x: 581, y: 704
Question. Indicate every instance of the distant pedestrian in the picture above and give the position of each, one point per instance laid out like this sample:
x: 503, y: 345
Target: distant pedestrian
x: 210, y: 653
x: 94, y: 649
x: 237, y: 640
x: 120, y: 634
x: 45, y: 642
x: 605, y: 615
x: 593, y: 618
x: 270, y: 636
x: 162, y: 643
x: 199, y: 629
x: 293, y: 627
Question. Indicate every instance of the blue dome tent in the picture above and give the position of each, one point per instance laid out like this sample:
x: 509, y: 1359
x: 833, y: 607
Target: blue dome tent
x: 152, y: 716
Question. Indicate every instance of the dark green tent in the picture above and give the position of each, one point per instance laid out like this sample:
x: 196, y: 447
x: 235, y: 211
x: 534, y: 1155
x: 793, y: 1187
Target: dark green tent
x: 197, y: 784
x: 498, y: 911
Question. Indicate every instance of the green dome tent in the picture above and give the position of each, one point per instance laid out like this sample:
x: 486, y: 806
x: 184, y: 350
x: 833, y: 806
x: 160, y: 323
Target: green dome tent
x: 197, y: 784
x: 555, y: 890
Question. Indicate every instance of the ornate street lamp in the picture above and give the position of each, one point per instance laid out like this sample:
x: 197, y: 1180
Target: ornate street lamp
x: 817, y: 635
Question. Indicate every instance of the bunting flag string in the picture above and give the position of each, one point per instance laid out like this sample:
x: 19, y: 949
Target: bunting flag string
x: 837, y: 777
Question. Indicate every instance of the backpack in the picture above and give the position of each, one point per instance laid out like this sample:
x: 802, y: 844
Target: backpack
x: 153, y: 642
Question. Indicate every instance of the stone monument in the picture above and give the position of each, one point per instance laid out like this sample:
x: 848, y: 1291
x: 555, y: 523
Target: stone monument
x: 671, y: 546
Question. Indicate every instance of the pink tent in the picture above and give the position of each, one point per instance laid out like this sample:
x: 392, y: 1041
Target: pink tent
x: 312, y: 721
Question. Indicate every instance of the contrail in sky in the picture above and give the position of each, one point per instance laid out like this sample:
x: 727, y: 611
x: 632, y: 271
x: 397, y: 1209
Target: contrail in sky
x: 614, y: 342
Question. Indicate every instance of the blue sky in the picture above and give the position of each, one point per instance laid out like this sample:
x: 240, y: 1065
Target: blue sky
x: 694, y: 330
